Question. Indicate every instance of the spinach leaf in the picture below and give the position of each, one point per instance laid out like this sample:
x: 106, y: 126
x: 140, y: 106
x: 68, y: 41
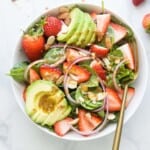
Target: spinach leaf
x: 85, y: 101
x: 54, y: 54
x: 116, y: 53
x: 17, y: 72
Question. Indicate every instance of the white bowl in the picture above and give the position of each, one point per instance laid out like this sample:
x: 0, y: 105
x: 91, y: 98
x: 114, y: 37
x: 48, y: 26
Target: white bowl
x: 140, y: 84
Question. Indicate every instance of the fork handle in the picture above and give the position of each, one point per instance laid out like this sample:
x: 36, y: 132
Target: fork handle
x: 116, y: 142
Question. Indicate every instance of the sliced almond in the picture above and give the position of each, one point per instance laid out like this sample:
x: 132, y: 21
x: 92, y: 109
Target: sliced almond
x: 60, y: 80
x: 100, y: 96
x: 88, y: 115
x: 72, y: 84
x: 63, y: 9
x: 64, y: 15
x: 108, y: 42
x: 74, y: 122
x: 92, y: 96
x: 111, y: 116
x: 50, y: 41
x: 67, y: 20
x: 99, y: 36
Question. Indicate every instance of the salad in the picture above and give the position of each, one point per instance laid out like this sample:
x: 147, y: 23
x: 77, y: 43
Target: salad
x: 77, y: 64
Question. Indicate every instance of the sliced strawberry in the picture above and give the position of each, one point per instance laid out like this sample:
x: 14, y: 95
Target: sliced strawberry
x: 103, y: 21
x: 52, y: 26
x: 128, y: 54
x: 33, y: 75
x: 146, y: 22
x: 50, y: 73
x: 87, y: 121
x: 72, y: 55
x: 63, y: 126
x: 81, y: 74
x: 130, y: 95
x: 99, y: 50
x: 114, y: 101
x: 33, y: 46
x: 97, y: 67
x: 119, y: 32
x: 94, y: 120
x: 137, y: 2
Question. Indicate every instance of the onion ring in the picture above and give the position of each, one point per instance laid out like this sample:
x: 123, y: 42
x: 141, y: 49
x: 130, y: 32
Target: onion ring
x: 31, y: 65
x: 66, y: 81
x: 99, y: 128
x: 117, y: 87
x: 73, y: 47
x: 66, y: 77
x: 62, y: 59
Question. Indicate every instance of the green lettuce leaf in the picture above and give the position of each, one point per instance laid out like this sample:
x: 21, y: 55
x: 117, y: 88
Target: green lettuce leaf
x: 54, y: 54
x: 17, y: 72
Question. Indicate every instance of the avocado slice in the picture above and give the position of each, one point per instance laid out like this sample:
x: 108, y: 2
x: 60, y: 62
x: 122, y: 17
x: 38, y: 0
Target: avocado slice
x: 34, y: 116
x: 75, y: 15
x: 78, y: 31
x: 57, y: 115
x: 57, y: 98
x: 85, y: 30
x: 93, y: 38
x: 92, y: 32
x: 44, y: 98
x: 88, y: 31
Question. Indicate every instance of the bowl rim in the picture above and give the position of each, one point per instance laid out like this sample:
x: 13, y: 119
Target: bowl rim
x: 107, y: 132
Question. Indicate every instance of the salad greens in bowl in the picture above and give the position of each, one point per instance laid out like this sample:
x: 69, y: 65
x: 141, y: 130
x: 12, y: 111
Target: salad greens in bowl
x: 70, y: 68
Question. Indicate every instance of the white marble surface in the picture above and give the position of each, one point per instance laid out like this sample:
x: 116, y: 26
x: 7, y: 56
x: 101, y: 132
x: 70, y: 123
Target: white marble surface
x: 16, y: 132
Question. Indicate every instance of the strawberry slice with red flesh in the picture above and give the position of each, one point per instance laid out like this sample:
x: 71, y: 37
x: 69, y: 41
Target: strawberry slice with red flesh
x: 128, y: 54
x: 119, y: 32
x: 130, y: 95
x: 97, y: 67
x: 99, y: 50
x: 63, y: 126
x: 137, y: 2
x: 72, y: 55
x: 50, y: 73
x: 33, y: 46
x: 146, y: 22
x: 88, y: 121
x: 81, y: 74
x: 103, y: 21
x: 33, y: 75
x: 52, y: 26
x: 114, y: 101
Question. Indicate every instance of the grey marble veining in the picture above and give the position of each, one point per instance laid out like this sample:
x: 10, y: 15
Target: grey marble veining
x: 16, y: 131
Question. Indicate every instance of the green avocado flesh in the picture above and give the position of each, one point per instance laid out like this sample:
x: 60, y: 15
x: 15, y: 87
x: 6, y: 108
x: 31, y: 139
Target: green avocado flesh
x: 46, y: 103
x: 73, y: 39
x: 75, y: 21
x: 81, y: 30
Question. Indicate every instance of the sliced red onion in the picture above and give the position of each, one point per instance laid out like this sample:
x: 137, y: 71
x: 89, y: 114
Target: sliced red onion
x: 66, y: 82
x: 61, y: 60
x: 117, y: 87
x: 103, y: 88
x: 66, y: 77
x: 31, y: 65
x: 73, y: 47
